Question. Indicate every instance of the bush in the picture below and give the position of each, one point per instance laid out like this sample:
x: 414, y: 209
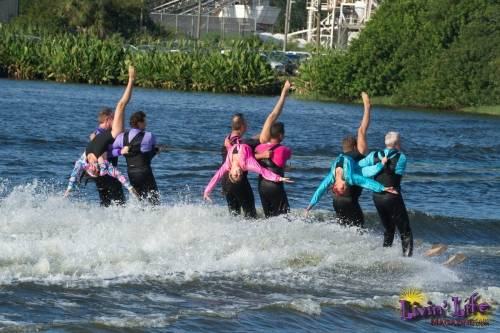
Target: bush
x: 420, y: 52
x: 87, y: 59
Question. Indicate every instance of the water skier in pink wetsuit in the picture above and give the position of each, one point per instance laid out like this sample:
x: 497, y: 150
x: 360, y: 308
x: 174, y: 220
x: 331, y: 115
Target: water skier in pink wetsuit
x: 240, y: 159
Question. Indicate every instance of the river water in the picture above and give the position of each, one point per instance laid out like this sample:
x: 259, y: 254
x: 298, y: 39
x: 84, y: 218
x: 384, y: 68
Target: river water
x: 70, y: 265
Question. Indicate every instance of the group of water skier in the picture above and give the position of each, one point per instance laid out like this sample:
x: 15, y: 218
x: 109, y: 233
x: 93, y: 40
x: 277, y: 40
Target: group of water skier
x: 354, y: 169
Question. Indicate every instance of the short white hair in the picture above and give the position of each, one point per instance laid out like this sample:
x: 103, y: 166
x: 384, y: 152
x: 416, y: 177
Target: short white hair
x: 392, y: 139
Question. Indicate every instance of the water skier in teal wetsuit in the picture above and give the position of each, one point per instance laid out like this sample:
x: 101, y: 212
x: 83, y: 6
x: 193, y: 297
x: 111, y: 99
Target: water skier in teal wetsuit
x: 391, y: 208
x: 350, y: 174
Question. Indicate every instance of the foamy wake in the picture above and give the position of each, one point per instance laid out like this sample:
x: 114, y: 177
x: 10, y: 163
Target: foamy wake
x: 46, y: 239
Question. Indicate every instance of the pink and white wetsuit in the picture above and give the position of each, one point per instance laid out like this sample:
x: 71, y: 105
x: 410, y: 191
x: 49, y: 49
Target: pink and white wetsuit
x: 247, y: 162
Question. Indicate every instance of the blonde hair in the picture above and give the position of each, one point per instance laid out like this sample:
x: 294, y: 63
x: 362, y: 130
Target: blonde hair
x: 392, y: 139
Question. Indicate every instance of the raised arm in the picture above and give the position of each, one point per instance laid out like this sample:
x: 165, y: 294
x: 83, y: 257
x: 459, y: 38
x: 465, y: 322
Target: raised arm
x: 363, y: 128
x: 119, y: 118
x: 265, y: 134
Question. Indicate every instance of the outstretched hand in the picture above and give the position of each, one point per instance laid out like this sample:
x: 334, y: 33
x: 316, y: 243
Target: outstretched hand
x: 206, y: 197
x: 391, y: 190
x: 66, y: 193
x: 286, y: 180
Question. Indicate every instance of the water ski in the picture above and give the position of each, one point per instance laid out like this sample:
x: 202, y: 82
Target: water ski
x: 436, y: 250
x: 455, y: 260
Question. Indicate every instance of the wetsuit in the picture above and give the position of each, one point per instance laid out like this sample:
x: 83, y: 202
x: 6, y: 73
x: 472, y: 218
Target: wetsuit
x: 247, y: 162
x: 347, y: 206
x: 142, y: 149
x: 273, y: 195
x: 391, y: 207
x: 239, y: 196
x: 100, y: 144
x: 353, y: 174
x: 109, y: 188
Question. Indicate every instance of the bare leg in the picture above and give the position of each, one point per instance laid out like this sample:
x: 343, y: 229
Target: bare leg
x: 119, y: 118
x: 265, y: 134
x: 365, y: 122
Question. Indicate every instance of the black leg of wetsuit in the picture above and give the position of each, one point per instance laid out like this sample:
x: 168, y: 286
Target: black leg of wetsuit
x: 348, y: 210
x: 232, y: 202
x: 392, y: 212
x: 110, y: 190
x: 273, y: 197
x: 144, y: 182
x: 240, y: 195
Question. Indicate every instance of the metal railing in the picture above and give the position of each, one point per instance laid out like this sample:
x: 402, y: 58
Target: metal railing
x: 188, y: 24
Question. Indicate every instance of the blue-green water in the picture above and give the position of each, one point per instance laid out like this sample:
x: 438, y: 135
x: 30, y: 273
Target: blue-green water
x: 187, y: 266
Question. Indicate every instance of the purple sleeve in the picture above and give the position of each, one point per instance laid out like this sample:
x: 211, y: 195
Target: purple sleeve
x: 148, y: 142
x: 117, y: 145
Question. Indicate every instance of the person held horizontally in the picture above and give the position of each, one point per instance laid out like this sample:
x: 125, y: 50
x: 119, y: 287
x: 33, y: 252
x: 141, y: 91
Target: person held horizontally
x: 349, y: 174
x: 239, y: 160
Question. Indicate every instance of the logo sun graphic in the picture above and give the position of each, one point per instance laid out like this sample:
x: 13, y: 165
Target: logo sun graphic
x: 413, y: 295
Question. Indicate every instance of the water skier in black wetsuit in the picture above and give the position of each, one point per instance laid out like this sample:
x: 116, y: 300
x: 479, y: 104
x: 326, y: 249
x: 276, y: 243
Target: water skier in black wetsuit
x: 391, y: 207
x: 239, y: 196
x: 347, y: 206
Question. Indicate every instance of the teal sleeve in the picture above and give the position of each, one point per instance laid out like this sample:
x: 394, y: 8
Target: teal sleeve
x: 401, y: 165
x: 353, y: 178
x: 368, y: 160
x: 325, y: 184
x: 372, y: 170
x: 367, y: 183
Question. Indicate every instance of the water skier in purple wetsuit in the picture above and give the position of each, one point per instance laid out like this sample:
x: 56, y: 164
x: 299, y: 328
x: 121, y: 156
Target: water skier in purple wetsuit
x: 99, y: 145
x: 139, y: 147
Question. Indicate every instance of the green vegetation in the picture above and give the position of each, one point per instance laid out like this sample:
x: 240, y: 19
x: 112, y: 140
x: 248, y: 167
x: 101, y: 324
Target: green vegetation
x: 493, y: 110
x: 432, y: 53
x: 102, y: 18
x: 425, y: 53
x: 88, y: 59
